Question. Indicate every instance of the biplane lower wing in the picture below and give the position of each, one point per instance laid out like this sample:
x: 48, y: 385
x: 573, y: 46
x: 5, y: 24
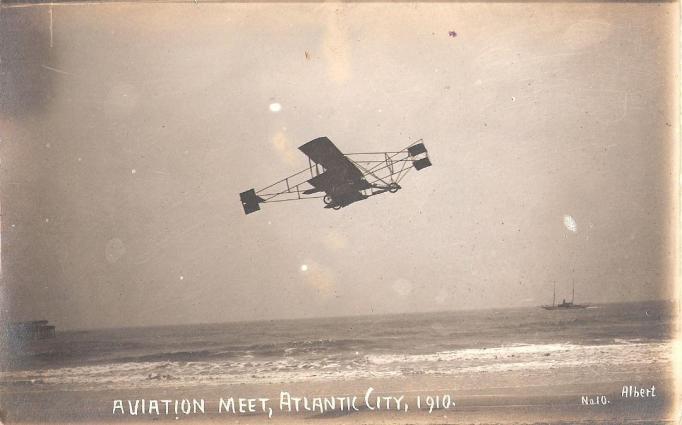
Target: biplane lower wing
x: 340, y: 179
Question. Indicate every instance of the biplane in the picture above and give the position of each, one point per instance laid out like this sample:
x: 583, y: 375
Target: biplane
x: 340, y: 179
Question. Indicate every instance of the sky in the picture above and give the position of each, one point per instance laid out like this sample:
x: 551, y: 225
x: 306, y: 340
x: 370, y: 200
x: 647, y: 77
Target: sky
x: 128, y: 131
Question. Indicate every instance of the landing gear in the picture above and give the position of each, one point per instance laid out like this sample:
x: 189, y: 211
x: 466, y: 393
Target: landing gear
x: 393, y: 187
x: 329, y: 202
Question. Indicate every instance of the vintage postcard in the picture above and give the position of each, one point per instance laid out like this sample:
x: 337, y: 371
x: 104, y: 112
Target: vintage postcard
x: 339, y: 213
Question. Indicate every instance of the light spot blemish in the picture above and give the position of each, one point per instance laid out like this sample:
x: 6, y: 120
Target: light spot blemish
x: 275, y: 107
x: 570, y: 223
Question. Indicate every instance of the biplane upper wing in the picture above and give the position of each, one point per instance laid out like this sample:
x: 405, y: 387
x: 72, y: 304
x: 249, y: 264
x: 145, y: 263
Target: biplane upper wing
x: 341, y: 177
x: 322, y: 151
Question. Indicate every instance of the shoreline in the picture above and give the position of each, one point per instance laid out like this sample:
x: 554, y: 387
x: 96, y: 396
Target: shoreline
x: 506, y: 398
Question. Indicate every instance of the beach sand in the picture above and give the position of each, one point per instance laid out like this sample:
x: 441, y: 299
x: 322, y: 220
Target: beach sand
x: 513, y: 397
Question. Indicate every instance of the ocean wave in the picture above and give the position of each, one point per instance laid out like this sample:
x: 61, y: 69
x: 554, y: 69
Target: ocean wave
x: 286, y: 369
x: 530, y: 357
x: 471, y: 353
x: 260, y: 350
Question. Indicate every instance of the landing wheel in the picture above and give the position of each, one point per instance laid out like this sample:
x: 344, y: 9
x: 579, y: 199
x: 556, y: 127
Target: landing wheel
x: 393, y: 187
x: 336, y: 207
x: 327, y: 199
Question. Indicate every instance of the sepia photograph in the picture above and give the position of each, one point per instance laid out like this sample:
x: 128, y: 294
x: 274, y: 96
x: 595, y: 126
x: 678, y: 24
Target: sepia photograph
x: 339, y: 212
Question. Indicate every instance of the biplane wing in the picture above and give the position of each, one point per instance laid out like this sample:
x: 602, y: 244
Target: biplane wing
x: 340, y: 179
x: 322, y: 151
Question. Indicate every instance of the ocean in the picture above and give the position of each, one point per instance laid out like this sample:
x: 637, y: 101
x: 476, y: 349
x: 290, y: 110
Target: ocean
x: 607, y: 338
